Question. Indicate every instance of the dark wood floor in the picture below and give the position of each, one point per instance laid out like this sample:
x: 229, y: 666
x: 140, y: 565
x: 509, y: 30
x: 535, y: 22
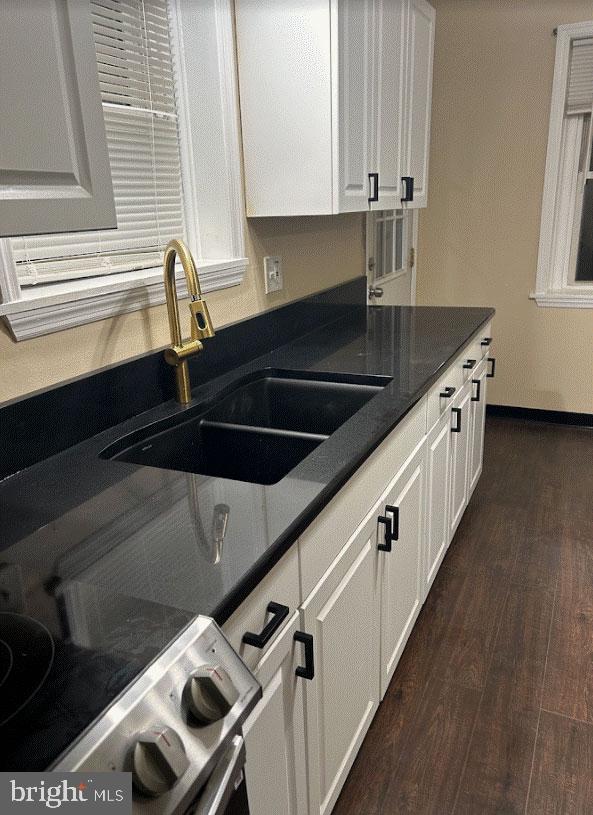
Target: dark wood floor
x: 491, y: 707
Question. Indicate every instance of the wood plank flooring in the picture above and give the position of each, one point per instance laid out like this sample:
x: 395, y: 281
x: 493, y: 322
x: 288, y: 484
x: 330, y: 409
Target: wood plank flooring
x: 491, y: 707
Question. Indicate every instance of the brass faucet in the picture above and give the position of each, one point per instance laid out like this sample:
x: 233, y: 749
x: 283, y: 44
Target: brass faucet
x: 201, y: 324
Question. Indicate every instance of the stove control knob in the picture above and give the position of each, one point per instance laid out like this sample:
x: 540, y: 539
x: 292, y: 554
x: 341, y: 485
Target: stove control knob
x: 158, y: 761
x: 210, y: 693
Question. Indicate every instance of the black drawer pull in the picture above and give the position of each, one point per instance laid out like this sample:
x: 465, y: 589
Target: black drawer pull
x: 279, y: 614
x: 490, y: 373
x: 307, y: 671
x: 469, y: 364
x: 386, y: 545
x: 374, y: 186
x: 408, y: 181
x: 478, y: 383
x: 394, y: 512
x: 456, y: 428
x: 486, y: 341
x: 447, y: 392
x: 391, y: 523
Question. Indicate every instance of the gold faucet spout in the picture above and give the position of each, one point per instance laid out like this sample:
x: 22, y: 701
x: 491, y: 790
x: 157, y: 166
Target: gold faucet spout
x: 201, y: 324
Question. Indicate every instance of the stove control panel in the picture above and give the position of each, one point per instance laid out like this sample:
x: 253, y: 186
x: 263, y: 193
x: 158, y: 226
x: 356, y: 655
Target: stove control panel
x: 173, y: 724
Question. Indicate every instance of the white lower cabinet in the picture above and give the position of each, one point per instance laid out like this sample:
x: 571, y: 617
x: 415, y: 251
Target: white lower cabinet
x: 275, y: 771
x: 438, y: 468
x: 477, y: 425
x: 325, y: 674
x: 340, y: 702
x: 460, y: 433
x: 400, y: 544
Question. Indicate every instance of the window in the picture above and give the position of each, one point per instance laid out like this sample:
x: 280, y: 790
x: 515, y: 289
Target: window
x: 565, y: 264
x: 170, y: 117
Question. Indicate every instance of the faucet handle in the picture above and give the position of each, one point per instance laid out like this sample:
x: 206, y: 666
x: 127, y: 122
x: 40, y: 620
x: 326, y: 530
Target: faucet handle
x: 201, y: 326
x: 176, y: 354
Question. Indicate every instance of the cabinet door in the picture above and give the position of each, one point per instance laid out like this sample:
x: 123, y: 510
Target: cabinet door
x: 437, y: 488
x: 275, y: 771
x: 54, y: 167
x: 389, y: 50
x: 478, y: 419
x: 354, y: 104
x: 400, y: 569
x: 341, y: 701
x: 460, y: 434
x: 420, y: 41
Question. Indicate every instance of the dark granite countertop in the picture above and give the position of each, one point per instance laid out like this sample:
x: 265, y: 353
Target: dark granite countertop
x: 139, y: 532
x: 114, y: 559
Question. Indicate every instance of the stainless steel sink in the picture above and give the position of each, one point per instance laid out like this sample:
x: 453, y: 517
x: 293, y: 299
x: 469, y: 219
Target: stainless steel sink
x: 257, y: 432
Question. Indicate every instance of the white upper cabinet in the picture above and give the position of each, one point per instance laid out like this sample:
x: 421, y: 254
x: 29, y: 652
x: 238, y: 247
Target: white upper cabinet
x: 355, y: 103
x: 54, y: 167
x: 388, y: 108
x: 330, y: 122
x: 416, y: 142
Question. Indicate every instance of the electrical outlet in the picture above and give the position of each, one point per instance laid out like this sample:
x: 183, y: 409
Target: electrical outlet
x: 273, y: 273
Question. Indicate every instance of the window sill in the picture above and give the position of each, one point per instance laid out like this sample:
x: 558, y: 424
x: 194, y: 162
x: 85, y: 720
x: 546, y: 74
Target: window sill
x: 581, y: 297
x: 53, y: 307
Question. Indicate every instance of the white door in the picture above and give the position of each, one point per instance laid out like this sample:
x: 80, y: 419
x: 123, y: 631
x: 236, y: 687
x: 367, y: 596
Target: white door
x: 340, y: 702
x: 54, y: 167
x: 388, y: 107
x: 460, y: 417
x: 400, y: 568
x: 478, y: 419
x: 355, y: 105
x: 416, y: 142
x: 437, y: 488
x: 391, y: 258
x: 275, y: 770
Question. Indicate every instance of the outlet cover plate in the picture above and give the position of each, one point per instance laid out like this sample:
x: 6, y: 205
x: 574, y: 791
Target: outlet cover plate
x: 273, y: 273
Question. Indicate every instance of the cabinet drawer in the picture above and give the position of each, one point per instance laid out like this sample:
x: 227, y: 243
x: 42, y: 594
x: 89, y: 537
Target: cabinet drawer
x: 323, y: 540
x: 437, y: 404
x: 280, y: 585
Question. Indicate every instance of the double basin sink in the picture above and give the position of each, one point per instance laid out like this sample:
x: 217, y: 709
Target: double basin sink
x: 257, y: 431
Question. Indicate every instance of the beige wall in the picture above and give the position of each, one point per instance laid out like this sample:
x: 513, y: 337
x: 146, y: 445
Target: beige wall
x: 478, y: 239
x: 316, y: 253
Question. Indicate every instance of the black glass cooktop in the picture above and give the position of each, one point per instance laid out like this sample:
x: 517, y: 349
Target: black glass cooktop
x: 55, y: 681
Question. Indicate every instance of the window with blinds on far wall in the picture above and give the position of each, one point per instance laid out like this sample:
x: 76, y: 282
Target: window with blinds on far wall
x: 135, y: 66
x: 579, y: 103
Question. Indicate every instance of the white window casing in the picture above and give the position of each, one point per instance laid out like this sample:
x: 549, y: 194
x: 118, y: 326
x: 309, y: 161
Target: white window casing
x: 572, y: 102
x: 174, y: 153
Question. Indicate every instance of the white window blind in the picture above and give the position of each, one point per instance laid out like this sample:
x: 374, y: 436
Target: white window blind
x: 134, y: 60
x: 579, y: 97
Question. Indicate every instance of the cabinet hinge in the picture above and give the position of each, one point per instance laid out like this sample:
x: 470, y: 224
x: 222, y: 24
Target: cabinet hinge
x: 412, y: 257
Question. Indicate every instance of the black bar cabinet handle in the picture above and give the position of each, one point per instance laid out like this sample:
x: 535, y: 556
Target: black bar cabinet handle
x: 387, y: 540
x: 447, y: 392
x: 374, y: 187
x: 394, y: 512
x: 409, y: 185
x: 307, y: 671
x: 469, y: 364
x: 490, y: 373
x: 486, y: 341
x: 457, y: 428
x: 477, y: 382
x: 279, y: 614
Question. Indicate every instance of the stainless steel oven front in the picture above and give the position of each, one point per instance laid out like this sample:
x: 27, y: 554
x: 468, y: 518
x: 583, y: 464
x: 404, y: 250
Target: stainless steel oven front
x: 177, y: 729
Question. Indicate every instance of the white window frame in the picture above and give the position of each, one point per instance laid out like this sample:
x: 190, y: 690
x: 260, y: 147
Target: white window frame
x: 555, y: 284
x: 203, y: 45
